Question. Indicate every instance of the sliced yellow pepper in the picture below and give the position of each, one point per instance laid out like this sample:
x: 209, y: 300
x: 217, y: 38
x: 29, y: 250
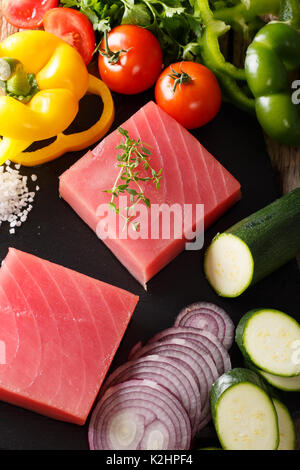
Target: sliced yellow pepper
x: 71, y: 142
x: 47, y: 113
x: 62, y: 80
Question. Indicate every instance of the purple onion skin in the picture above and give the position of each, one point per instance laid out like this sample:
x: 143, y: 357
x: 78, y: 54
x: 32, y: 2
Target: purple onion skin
x: 225, y: 327
x: 163, y: 371
x: 143, y: 398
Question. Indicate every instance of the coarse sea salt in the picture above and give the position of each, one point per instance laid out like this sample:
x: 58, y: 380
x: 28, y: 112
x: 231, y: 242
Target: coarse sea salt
x: 15, y: 197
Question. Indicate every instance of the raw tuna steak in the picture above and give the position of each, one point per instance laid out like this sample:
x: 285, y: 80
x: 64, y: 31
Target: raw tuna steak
x: 59, y: 333
x: 190, y: 176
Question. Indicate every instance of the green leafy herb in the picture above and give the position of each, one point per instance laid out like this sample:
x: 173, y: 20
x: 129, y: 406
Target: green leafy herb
x: 135, y: 157
x: 103, y: 14
x: 175, y: 23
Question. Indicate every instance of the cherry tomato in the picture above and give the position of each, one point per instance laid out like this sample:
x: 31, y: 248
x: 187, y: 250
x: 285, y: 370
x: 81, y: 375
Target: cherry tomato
x: 132, y: 59
x: 73, y: 27
x: 189, y: 92
x: 26, y: 14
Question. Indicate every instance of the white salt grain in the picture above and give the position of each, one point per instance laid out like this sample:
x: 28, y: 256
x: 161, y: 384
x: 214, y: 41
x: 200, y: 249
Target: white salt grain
x: 15, y: 197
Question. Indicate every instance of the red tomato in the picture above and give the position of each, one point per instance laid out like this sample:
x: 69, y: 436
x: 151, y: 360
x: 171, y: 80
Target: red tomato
x: 196, y: 98
x: 73, y: 27
x: 138, y: 64
x: 26, y: 14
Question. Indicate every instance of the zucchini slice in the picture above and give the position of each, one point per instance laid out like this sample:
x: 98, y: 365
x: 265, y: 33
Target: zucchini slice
x: 254, y: 247
x: 229, y: 265
x: 287, y: 384
x: 287, y: 431
x: 243, y: 413
x: 268, y: 339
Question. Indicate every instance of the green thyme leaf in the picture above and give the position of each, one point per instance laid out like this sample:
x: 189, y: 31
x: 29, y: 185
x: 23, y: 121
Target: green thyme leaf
x: 134, y: 158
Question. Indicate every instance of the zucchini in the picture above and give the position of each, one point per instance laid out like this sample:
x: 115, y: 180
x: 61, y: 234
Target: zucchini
x: 267, y: 338
x: 243, y: 412
x: 287, y: 384
x: 287, y: 431
x: 254, y: 247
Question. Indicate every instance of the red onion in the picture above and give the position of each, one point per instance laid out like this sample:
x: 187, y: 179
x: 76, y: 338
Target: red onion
x: 166, y: 373
x: 210, y: 317
x: 200, y: 361
x: 206, y: 341
x: 139, y: 415
x: 159, y: 399
x: 135, y: 348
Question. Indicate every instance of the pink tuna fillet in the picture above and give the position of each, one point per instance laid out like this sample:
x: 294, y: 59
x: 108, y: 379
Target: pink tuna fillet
x: 190, y: 175
x: 59, y: 333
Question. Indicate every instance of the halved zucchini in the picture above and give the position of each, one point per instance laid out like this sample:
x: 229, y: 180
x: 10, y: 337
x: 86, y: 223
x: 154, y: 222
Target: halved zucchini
x: 268, y: 338
x: 229, y: 265
x: 254, y: 247
x: 243, y: 413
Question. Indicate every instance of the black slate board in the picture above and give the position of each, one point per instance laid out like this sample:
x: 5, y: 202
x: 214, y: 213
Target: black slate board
x: 54, y: 232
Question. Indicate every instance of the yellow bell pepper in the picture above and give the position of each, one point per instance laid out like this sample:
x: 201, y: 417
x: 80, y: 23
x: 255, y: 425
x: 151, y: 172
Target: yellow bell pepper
x: 43, y: 79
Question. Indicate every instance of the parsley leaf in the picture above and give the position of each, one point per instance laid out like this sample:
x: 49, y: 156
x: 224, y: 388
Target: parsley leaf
x: 175, y: 23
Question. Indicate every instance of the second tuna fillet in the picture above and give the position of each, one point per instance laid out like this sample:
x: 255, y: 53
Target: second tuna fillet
x: 59, y: 333
x: 191, y: 176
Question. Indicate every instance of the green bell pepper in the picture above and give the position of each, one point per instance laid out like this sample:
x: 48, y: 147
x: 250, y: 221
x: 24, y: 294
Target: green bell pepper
x: 273, y: 53
x: 242, y: 15
x: 211, y: 52
x: 228, y: 74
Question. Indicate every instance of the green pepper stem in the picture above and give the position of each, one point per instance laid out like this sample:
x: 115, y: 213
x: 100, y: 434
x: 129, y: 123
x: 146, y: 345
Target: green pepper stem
x: 262, y: 7
x: 246, y: 14
x: 15, y: 81
x: 290, y: 13
x: 7, y: 67
x: 16, y: 78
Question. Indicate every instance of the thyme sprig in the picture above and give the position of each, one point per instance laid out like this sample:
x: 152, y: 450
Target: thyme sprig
x: 135, y: 157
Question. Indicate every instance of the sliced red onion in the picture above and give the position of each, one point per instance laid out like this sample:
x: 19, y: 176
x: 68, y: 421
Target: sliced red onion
x: 167, y: 374
x: 159, y: 399
x: 200, y: 361
x: 139, y: 415
x: 135, y: 348
x: 121, y: 424
x: 186, y: 364
x: 205, y: 340
x: 210, y: 317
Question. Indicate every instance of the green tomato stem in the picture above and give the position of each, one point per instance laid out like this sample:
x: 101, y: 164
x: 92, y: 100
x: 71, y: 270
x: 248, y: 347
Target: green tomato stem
x: 113, y: 57
x: 180, y: 78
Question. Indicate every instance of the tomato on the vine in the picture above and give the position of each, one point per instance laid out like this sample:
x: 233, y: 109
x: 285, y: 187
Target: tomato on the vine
x: 130, y: 59
x: 74, y: 28
x: 26, y: 14
x: 189, y: 92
